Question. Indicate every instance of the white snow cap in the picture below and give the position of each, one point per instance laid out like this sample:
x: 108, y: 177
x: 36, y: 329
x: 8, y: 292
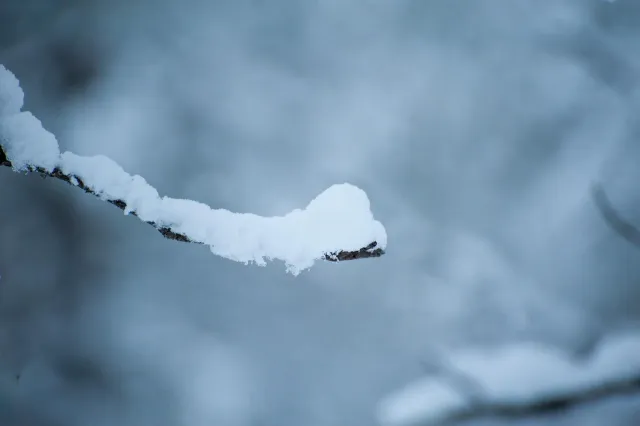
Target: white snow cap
x: 22, y: 136
x: 519, y: 374
x: 338, y: 219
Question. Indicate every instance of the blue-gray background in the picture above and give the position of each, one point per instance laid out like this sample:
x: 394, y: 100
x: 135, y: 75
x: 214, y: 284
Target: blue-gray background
x: 476, y: 128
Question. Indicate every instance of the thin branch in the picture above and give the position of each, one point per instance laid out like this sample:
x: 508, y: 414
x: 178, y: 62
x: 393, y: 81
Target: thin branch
x: 562, y: 402
x: 371, y: 250
x: 546, y: 406
x: 621, y: 226
x: 542, y: 381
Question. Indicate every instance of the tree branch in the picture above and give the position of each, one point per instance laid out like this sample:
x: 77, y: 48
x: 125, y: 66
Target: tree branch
x: 369, y: 251
x: 546, y: 406
x: 515, y: 382
x: 621, y: 226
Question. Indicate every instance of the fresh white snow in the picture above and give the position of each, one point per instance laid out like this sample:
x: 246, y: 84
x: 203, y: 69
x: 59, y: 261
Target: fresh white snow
x: 17, y: 131
x: 338, y: 219
x: 518, y: 374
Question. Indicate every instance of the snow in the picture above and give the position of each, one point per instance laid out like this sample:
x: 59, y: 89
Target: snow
x: 340, y: 218
x: 518, y: 374
x: 26, y: 142
x: 22, y: 136
x: 425, y: 402
x: 110, y: 182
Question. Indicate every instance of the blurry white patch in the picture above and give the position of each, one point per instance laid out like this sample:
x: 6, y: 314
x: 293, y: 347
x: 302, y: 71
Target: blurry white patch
x: 23, y: 139
x: 215, y: 387
x: 518, y: 374
x: 210, y: 381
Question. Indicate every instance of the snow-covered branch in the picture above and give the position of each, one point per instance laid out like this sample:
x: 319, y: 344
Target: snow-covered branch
x: 337, y: 225
x: 518, y: 381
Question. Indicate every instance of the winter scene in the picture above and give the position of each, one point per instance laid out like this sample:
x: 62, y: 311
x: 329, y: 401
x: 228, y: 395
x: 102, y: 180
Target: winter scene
x: 320, y: 213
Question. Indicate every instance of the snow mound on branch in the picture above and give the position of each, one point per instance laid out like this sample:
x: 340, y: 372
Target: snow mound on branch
x: 22, y: 136
x: 337, y: 220
x: 27, y: 143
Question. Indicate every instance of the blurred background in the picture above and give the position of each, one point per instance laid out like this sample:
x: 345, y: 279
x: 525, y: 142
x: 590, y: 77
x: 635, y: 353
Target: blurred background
x: 475, y: 127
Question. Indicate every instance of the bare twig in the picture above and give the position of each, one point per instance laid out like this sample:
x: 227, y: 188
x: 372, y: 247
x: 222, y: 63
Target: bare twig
x: 370, y: 250
x: 621, y: 226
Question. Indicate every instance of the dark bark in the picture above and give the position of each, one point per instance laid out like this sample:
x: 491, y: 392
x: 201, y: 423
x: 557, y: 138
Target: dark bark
x: 545, y: 406
x: 621, y: 226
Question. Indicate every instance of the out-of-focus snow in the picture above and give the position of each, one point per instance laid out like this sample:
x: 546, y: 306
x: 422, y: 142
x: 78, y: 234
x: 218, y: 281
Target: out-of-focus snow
x: 519, y: 374
x: 422, y: 402
x: 338, y: 219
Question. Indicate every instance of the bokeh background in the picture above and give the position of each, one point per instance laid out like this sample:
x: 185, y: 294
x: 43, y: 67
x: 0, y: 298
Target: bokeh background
x: 476, y: 128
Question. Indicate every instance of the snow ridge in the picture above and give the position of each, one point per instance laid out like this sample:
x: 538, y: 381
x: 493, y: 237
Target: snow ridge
x: 337, y: 220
